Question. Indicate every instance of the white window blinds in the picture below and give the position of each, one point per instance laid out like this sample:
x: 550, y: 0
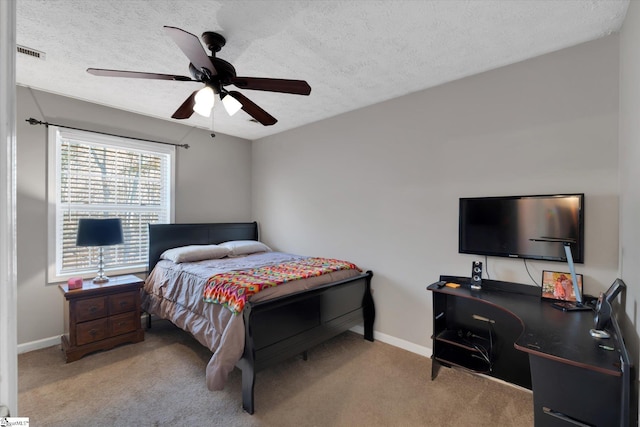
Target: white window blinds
x: 99, y: 176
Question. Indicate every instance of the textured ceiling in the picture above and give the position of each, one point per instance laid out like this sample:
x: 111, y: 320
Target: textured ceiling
x: 352, y: 53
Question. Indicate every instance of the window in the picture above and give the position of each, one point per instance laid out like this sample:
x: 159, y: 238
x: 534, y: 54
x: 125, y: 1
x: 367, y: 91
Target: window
x: 96, y: 176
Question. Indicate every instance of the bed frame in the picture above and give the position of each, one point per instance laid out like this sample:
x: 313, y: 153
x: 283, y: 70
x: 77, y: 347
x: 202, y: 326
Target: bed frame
x: 281, y: 328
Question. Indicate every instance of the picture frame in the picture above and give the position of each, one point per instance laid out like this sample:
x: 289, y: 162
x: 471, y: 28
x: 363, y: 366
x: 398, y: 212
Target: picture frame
x: 558, y: 286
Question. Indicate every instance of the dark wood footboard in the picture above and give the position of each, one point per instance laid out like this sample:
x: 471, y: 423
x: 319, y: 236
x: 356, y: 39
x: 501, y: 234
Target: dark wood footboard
x: 281, y: 328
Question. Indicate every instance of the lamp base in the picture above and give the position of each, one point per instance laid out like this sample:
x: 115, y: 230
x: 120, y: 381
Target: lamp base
x: 101, y: 279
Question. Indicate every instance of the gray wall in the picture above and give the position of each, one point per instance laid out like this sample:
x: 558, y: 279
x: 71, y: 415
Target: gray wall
x: 213, y: 183
x: 380, y: 186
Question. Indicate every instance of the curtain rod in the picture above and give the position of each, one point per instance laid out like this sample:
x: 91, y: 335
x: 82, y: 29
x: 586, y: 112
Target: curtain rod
x: 33, y: 121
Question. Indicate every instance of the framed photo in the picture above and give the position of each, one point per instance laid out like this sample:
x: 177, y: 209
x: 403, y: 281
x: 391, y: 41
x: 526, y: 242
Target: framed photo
x: 559, y: 286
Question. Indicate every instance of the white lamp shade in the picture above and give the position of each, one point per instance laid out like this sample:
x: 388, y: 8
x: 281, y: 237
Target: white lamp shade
x: 231, y: 104
x: 204, y: 101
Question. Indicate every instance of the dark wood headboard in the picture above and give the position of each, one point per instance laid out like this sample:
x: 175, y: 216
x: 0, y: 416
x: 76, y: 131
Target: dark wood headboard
x: 167, y: 236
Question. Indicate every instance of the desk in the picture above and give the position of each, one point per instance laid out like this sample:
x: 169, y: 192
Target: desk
x: 507, y: 331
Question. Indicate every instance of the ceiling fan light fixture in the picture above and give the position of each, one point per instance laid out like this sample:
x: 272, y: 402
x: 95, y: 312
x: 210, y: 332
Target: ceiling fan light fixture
x: 214, y: 73
x: 204, y: 101
x: 231, y: 104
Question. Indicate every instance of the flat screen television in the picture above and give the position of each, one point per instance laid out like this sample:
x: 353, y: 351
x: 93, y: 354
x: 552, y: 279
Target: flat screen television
x: 532, y: 227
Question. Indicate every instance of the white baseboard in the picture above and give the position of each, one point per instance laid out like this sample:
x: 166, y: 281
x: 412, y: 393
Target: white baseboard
x: 396, y: 342
x: 38, y: 344
x: 387, y: 339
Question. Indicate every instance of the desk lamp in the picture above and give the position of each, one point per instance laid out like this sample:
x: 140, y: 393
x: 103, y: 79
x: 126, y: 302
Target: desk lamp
x: 99, y: 232
x: 567, y: 306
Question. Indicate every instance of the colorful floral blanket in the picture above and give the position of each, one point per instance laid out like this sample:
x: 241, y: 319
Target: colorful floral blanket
x: 233, y: 289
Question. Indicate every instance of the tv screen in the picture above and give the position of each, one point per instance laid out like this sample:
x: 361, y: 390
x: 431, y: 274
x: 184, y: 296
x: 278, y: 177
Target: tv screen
x: 531, y: 227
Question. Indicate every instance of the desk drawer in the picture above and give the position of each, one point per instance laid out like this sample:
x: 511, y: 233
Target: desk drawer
x: 122, y: 303
x: 89, y: 332
x: 123, y: 323
x: 90, y: 308
x: 575, y: 396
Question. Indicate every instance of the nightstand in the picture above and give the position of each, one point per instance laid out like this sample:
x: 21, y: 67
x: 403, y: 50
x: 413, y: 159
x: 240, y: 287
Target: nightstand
x: 101, y: 316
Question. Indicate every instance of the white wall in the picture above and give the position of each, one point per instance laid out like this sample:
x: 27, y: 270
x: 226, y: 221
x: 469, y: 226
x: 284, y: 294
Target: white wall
x: 630, y: 175
x: 8, y: 284
x: 213, y: 180
x: 380, y: 186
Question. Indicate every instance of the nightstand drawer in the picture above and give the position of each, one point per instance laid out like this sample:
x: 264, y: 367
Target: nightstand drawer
x: 123, y: 323
x: 122, y: 303
x: 91, y: 308
x: 95, y: 330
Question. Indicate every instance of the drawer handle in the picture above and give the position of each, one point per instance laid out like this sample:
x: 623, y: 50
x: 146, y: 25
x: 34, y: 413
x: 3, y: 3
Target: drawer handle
x: 93, y: 332
x: 562, y: 416
x: 123, y: 303
x: 93, y: 309
x: 121, y: 323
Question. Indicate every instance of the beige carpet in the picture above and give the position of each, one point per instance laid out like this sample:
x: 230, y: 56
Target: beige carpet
x: 345, y: 382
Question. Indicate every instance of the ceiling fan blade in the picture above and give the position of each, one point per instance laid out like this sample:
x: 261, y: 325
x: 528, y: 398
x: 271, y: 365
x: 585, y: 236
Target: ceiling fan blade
x: 253, y: 110
x: 190, y: 45
x: 298, y: 87
x: 136, y: 75
x: 186, y: 109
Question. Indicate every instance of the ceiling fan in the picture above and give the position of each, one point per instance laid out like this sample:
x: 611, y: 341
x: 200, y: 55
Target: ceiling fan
x: 215, y: 73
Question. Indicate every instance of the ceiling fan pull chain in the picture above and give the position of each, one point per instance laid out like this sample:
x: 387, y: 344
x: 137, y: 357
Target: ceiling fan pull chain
x: 213, y: 135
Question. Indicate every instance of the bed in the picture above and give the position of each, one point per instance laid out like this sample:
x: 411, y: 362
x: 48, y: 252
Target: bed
x: 272, y: 326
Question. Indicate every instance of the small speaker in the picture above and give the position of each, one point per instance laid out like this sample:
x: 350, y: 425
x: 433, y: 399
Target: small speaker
x: 476, y: 275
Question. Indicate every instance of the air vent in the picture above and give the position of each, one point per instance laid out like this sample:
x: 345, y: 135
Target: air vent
x: 31, y: 52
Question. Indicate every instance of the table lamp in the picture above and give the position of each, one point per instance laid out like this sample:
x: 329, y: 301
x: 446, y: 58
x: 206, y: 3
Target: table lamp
x: 101, y: 233
x: 567, y: 306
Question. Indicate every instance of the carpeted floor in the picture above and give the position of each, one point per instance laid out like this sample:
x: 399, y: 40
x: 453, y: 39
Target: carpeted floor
x: 345, y: 382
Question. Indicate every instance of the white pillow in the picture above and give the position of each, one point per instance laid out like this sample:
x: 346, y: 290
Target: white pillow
x: 244, y: 247
x: 195, y: 253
